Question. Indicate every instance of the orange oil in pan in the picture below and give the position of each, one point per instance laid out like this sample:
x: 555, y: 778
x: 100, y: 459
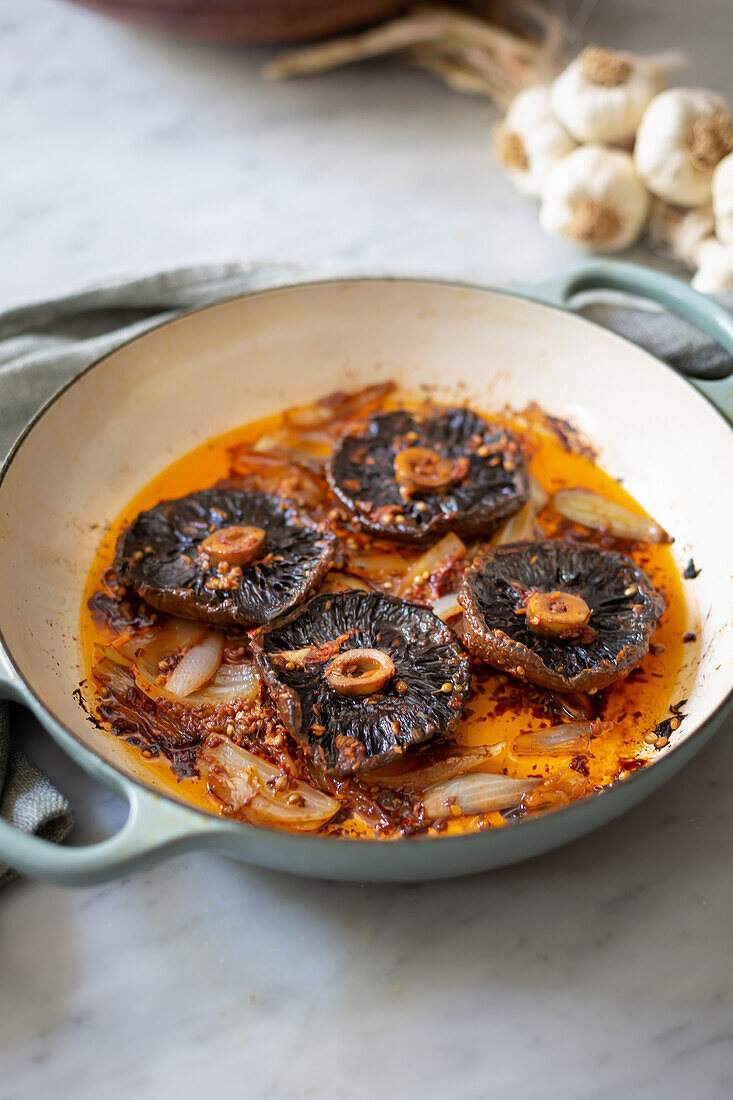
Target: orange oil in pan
x: 500, y: 708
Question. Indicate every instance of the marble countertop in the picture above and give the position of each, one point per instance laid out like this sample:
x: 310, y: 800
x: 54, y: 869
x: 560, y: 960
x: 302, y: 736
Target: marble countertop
x: 601, y: 970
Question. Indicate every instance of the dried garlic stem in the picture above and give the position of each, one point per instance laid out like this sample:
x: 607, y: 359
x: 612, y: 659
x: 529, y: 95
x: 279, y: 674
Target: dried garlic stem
x: 398, y: 34
x: 469, y: 53
x: 457, y: 74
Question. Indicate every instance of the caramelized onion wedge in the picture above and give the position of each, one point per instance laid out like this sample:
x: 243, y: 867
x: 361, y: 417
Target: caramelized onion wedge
x: 538, y: 495
x: 443, y: 554
x: 576, y: 704
x: 342, y: 582
x: 337, y: 406
x: 376, y: 562
x: 421, y: 778
x: 238, y: 683
x: 592, y: 510
x: 447, y: 607
x: 196, y: 666
x: 247, y: 784
x: 476, y: 794
x: 562, y: 740
x: 113, y: 654
x: 518, y: 528
x: 225, y: 684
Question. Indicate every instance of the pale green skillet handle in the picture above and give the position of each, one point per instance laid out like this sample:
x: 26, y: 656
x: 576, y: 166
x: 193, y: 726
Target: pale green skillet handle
x: 156, y: 828
x: 673, y: 294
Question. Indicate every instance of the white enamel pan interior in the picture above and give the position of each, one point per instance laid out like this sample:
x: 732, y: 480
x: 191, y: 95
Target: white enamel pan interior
x: 108, y: 433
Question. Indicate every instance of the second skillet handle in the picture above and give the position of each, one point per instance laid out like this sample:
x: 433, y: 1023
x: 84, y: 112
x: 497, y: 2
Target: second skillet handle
x: 156, y: 827
x: 676, y: 296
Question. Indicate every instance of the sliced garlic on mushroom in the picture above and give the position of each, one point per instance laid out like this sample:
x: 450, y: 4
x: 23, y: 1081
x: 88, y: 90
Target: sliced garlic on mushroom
x: 683, y: 136
x: 594, y: 198
x: 722, y: 189
x: 530, y: 140
x: 715, y: 270
x: 677, y: 232
x: 602, y: 95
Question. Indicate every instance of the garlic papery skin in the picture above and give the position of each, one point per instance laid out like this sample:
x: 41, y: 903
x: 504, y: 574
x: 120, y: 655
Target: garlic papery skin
x: 530, y: 140
x: 683, y: 136
x: 715, y: 271
x: 602, y: 95
x: 594, y: 198
x: 722, y: 189
x: 678, y: 232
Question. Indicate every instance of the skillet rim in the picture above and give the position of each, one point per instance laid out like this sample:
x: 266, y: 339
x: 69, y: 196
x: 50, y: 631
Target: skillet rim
x: 635, y: 779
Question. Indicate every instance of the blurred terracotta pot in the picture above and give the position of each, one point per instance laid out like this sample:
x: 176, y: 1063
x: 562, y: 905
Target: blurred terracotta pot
x: 254, y: 21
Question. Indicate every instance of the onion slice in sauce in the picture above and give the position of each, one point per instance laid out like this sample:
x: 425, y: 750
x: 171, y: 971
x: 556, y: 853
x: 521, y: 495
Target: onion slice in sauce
x: 538, y: 495
x: 475, y: 794
x: 248, y: 784
x: 562, y: 740
x: 238, y: 683
x: 592, y: 510
x: 196, y: 666
x: 422, y: 778
x: 377, y: 561
x: 576, y: 704
x: 342, y: 582
x: 518, y: 528
x: 338, y: 406
x: 223, y: 683
x: 447, y: 607
x: 444, y: 553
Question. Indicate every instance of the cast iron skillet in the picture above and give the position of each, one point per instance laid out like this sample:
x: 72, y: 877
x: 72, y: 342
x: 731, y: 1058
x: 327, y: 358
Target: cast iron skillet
x: 117, y: 424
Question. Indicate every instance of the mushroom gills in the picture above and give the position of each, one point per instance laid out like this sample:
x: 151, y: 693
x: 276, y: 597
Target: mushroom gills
x: 399, y: 678
x: 414, y: 475
x: 562, y: 615
x: 223, y: 556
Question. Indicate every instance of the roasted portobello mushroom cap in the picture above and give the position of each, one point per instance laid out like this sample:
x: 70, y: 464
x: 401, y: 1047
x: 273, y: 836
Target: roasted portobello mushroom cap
x: 562, y: 615
x: 358, y: 677
x: 223, y: 556
x: 412, y: 475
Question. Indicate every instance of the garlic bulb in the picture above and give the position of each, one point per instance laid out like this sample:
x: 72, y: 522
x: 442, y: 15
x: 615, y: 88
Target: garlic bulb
x: 684, y: 134
x: 679, y: 233
x: 602, y: 95
x: 715, y: 271
x: 530, y: 140
x: 722, y: 188
x: 594, y: 198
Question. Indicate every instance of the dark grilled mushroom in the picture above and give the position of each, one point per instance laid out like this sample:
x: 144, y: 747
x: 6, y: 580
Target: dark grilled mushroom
x: 223, y: 556
x: 413, y: 475
x: 358, y: 677
x: 559, y: 614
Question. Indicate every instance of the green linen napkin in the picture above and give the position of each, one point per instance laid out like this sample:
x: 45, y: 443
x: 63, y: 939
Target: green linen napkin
x: 44, y: 344
x: 41, y: 347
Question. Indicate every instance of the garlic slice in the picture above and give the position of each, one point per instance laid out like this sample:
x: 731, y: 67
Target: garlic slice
x: 683, y: 136
x: 594, y: 198
x: 602, y: 95
x: 530, y: 140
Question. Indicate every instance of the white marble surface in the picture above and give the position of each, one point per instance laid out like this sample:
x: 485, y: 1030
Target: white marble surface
x: 602, y: 970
